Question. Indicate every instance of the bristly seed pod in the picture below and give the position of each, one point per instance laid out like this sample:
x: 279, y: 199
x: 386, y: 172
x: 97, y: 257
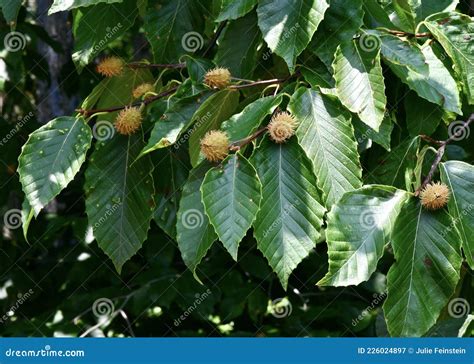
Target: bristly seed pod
x: 435, y: 196
x: 111, y: 66
x: 215, y: 145
x: 282, y: 127
x: 128, y: 120
x: 142, y: 89
x: 217, y: 78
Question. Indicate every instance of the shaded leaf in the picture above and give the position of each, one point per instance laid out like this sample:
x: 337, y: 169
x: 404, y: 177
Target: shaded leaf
x: 231, y: 196
x: 195, y: 235
x: 288, y: 25
x: 360, y: 83
x: 426, y: 269
x: 233, y: 9
x: 459, y: 177
x: 326, y: 135
x: 290, y: 217
x: 119, y: 197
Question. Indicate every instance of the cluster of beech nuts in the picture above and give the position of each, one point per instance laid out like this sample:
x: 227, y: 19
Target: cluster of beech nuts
x: 215, y: 145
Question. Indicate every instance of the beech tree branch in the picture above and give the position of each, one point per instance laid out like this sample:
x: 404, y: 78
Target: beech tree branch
x: 147, y: 101
x: 441, y: 150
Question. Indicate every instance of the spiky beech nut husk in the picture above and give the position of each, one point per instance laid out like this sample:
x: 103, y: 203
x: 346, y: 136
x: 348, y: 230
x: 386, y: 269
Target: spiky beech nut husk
x: 215, y: 145
x: 282, y: 127
x: 128, y: 120
x: 111, y: 66
x: 435, y: 196
x: 143, y: 89
x: 217, y: 78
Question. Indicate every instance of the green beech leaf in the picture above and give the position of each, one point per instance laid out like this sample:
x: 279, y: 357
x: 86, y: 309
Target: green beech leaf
x: 455, y: 32
x: 438, y: 86
x: 51, y: 158
x: 27, y: 214
x: 360, y: 83
x: 406, y: 15
x: 382, y: 137
x: 174, y: 165
x: 119, y: 197
x: 359, y: 227
x: 426, y: 8
x: 326, y: 135
x: 341, y: 21
x: 426, y: 269
x: 197, y: 68
x: 397, y: 168
x: 290, y: 217
x: 63, y: 5
x: 423, y: 117
x: 231, y: 196
x: 91, y: 23
x: 246, y: 122
x: 168, y: 128
x: 288, y: 25
x: 233, y: 9
x: 195, y: 235
x: 10, y: 9
x: 459, y: 177
x: 398, y: 51
x: 209, y: 116
x: 173, y: 29
x: 239, y: 45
